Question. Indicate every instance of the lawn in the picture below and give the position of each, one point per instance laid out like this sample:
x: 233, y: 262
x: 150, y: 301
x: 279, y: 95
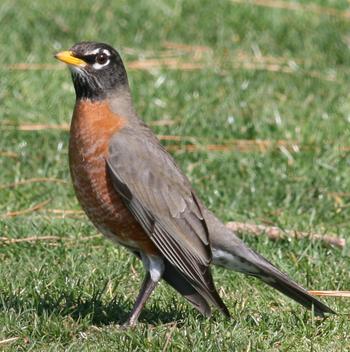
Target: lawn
x: 212, y: 78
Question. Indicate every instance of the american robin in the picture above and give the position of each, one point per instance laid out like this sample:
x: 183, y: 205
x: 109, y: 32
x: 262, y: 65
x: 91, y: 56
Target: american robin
x: 135, y: 194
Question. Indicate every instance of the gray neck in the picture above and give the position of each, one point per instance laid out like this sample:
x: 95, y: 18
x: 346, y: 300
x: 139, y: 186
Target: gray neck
x: 120, y: 102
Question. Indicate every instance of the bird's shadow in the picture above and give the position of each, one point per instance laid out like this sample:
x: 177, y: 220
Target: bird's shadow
x: 97, y: 310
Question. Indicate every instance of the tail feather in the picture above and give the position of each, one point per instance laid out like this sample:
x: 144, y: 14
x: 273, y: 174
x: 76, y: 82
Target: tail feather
x: 231, y: 252
x: 253, y: 264
x: 278, y: 280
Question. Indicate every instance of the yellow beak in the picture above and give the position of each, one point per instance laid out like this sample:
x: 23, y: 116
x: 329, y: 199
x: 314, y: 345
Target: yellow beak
x: 68, y: 58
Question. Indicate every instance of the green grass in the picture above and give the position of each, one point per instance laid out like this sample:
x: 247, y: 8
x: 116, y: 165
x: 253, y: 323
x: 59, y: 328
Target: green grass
x: 72, y: 295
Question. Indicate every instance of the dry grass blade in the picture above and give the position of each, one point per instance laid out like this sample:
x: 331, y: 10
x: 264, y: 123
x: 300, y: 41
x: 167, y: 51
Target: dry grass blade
x: 173, y: 63
x: 65, y: 211
x: 241, y: 145
x: 330, y: 293
x: 9, y: 154
x: 65, y: 214
x: 40, y: 127
x: 164, y: 122
x: 198, y: 52
x: 9, y: 340
x: 33, y: 66
x: 34, y: 127
x: 64, y: 127
x: 169, y: 336
x: 33, y: 180
x: 339, y: 194
x: 284, y: 5
x: 7, y: 240
x: 274, y: 232
x: 175, y: 138
x: 186, y: 47
x: 243, y: 56
x: 191, y: 148
x: 263, y: 66
x: 36, y: 207
x: 148, y: 64
x: 177, y: 56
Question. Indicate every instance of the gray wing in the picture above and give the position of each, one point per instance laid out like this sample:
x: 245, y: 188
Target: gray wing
x: 161, y: 199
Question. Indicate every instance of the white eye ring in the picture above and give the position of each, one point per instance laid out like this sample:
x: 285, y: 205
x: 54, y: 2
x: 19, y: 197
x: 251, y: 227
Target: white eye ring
x: 98, y: 66
x: 102, y: 59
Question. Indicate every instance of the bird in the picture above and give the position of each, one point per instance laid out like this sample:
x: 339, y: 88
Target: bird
x: 135, y: 194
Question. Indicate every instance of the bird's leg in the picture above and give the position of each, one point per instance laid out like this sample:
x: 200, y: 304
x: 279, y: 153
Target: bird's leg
x: 154, y: 271
x: 147, y: 288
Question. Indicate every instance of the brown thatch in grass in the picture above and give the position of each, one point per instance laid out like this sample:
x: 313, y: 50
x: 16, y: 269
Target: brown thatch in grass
x: 32, y: 180
x: 65, y: 211
x: 193, y: 143
x: 8, y: 340
x: 6, y: 240
x: 40, y: 127
x: 191, y: 65
x: 254, y: 66
x: 169, y: 336
x: 196, y: 143
x: 26, y: 211
x: 178, y: 56
x: 146, y: 64
x: 243, y: 56
x: 331, y: 293
x: 172, y: 64
x: 163, y: 122
x: 33, y: 67
x: 32, y: 127
x: 339, y: 194
x: 187, y: 48
x: 275, y: 233
x: 271, y: 232
x: 241, y: 145
x: 7, y: 154
x: 65, y: 214
x: 295, y: 6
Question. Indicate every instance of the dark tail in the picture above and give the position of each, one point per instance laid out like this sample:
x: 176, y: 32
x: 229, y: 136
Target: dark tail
x: 280, y: 281
x: 230, y: 252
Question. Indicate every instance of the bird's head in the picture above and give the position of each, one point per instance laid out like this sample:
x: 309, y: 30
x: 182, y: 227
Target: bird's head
x: 97, y: 69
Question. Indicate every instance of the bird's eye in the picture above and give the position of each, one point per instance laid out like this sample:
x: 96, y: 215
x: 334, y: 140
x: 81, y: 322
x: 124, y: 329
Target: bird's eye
x: 101, y: 59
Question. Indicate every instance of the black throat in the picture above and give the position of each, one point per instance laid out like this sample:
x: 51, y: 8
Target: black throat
x: 98, y: 85
x: 87, y: 87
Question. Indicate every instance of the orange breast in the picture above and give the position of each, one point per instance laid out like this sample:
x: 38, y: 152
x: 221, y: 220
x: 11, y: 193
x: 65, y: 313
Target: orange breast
x: 92, y: 126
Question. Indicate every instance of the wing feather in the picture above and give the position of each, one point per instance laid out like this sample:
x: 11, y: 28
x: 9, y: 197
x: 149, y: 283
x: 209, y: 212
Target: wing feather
x: 162, y: 201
